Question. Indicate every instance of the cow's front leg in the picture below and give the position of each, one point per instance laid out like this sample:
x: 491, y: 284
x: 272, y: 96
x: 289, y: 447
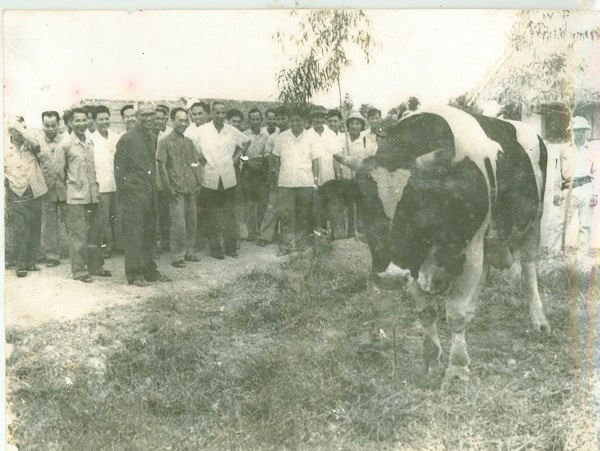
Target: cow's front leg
x: 426, y: 308
x: 460, y: 306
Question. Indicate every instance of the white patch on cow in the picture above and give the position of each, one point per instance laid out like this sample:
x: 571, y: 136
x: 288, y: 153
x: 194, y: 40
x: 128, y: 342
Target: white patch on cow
x: 528, y: 138
x: 470, y: 141
x: 390, y: 186
x: 394, y: 273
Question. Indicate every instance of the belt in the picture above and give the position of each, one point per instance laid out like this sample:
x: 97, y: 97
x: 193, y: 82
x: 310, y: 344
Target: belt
x: 578, y: 181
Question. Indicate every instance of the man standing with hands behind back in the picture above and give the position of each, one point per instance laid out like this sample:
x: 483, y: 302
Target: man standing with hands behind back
x: 135, y: 163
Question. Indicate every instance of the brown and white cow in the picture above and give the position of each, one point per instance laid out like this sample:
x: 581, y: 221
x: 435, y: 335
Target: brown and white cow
x: 447, y: 195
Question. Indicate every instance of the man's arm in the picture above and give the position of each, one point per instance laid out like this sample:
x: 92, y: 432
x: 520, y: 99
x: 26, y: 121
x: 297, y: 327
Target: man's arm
x: 164, y: 177
x: 120, y: 164
x: 60, y: 163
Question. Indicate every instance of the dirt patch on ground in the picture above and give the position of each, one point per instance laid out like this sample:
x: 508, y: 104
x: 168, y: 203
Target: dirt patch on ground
x: 51, y: 294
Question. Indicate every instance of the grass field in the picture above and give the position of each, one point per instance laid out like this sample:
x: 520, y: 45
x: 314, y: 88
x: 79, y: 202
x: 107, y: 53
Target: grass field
x: 305, y: 355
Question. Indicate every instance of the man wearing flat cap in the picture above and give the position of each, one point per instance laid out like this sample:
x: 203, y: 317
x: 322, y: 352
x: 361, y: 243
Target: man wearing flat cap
x: 578, y: 190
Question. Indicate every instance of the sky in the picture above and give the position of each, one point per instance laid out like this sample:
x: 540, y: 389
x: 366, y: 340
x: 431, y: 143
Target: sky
x: 55, y: 58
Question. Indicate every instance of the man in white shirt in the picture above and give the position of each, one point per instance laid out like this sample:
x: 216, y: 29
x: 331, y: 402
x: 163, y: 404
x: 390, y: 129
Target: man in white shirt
x: 578, y: 190
x: 199, y: 115
x: 374, y: 130
x: 297, y: 159
x: 356, y: 148
x: 164, y: 216
x: 219, y: 147
x: 105, y: 146
x: 272, y: 215
x: 327, y: 207
x: 271, y: 121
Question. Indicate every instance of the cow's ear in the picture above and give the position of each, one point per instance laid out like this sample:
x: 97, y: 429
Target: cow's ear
x: 368, y: 165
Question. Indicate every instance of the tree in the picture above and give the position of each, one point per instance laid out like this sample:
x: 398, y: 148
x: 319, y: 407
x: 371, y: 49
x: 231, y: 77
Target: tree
x: 347, y: 105
x: 364, y: 109
x: 462, y: 103
x: 321, y: 42
x: 549, y: 62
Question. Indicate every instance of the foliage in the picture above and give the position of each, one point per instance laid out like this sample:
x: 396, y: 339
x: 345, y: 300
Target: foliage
x: 321, y: 43
x: 549, y: 61
x: 347, y: 105
x: 395, y: 114
x: 364, y: 109
x: 462, y: 103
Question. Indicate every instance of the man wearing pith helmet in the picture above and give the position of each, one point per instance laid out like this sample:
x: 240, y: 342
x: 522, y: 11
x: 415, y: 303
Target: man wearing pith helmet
x: 578, y: 190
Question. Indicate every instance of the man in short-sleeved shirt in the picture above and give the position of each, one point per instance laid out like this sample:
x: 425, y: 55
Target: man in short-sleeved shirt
x: 298, y: 160
x: 219, y: 146
x: 164, y: 216
x: 105, y: 146
x: 327, y: 207
x: 254, y: 174
x: 55, y: 240
x: 177, y: 162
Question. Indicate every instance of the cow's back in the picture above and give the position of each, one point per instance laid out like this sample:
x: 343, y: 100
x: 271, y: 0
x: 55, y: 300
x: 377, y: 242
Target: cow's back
x: 520, y: 181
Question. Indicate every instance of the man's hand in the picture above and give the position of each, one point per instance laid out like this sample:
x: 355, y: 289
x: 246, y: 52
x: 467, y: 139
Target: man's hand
x: 594, y: 200
x: 556, y: 201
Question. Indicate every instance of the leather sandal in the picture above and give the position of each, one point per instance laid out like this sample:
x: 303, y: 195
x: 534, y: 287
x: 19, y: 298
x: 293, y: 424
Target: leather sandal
x: 178, y: 264
x: 103, y: 273
x: 85, y: 279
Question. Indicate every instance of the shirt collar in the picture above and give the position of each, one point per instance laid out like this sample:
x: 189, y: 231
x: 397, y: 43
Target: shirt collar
x: 76, y: 139
x: 56, y: 139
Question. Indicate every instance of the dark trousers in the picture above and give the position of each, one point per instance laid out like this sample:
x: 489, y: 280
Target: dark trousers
x: 139, y: 227
x: 55, y: 235
x: 164, y: 220
x: 219, y: 206
x: 329, y: 206
x: 106, y: 213
x: 295, y: 205
x: 23, y: 228
x: 85, y: 239
x: 256, y: 198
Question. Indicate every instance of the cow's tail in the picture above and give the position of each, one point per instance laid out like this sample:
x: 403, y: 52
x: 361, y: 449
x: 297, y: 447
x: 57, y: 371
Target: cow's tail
x: 543, y: 167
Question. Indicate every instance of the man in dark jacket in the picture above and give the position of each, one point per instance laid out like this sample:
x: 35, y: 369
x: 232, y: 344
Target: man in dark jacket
x: 137, y: 192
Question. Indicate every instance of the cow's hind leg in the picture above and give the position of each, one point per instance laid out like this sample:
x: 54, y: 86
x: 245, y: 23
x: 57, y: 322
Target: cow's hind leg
x: 529, y: 272
x: 432, y: 349
x: 536, y: 309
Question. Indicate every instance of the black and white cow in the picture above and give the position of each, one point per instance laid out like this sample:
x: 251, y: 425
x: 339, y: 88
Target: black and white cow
x: 447, y: 195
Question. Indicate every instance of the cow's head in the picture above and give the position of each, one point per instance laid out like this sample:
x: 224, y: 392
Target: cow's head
x: 420, y: 208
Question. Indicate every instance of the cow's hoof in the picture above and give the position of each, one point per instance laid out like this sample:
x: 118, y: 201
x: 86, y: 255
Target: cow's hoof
x: 454, y: 372
x: 541, y: 327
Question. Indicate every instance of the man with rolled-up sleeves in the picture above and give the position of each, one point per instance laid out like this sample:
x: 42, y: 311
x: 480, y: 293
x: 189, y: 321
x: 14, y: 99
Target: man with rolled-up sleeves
x: 135, y: 163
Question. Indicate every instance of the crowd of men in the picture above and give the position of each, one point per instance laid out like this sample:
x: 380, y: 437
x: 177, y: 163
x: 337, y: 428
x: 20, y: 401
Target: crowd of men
x: 91, y: 192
